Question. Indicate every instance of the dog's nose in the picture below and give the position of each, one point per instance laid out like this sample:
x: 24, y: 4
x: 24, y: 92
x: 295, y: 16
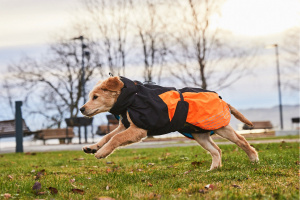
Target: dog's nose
x: 82, y: 109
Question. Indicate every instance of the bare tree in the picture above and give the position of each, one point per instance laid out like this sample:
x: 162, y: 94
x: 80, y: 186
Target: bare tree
x: 291, y: 50
x: 56, y: 80
x: 7, y: 87
x: 202, y: 55
x: 112, y: 23
x: 152, y: 42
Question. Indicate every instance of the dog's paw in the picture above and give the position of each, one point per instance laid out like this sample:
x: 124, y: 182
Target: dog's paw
x: 214, y: 167
x: 89, y: 149
x: 254, y: 159
x: 103, y: 153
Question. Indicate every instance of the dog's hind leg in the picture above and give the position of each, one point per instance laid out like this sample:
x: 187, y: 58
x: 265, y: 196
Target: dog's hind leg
x: 229, y: 133
x: 208, y: 144
x: 95, y: 147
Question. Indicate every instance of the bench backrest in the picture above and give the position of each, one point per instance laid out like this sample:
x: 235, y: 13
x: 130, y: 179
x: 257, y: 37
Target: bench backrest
x: 55, y: 133
x: 259, y: 125
x: 8, y: 128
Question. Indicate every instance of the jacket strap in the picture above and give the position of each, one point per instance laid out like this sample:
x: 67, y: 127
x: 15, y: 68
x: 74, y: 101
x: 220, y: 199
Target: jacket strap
x: 181, y: 96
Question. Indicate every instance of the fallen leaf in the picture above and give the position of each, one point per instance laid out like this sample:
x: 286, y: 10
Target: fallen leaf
x: 41, y: 193
x: 195, y: 163
x: 79, y: 159
x: 7, y: 196
x: 29, y: 153
x: 109, y: 163
x: 10, y: 177
x: 108, y: 170
x: 179, y: 189
x: 185, y: 173
x: 53, y: 190
x: 210, y: 186
x: 37, y: 186
x: 151, y: 164
x: 149, y: 184
x: 78, y: 191
x: 32, y: 171
x: 72, y: 180
x: 40, y: 174
x: 105, y: 198
x: 107, y: 187
x: 236, y: 186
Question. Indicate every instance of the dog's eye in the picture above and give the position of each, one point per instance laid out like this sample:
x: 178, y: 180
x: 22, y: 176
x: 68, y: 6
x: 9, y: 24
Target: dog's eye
x: 95, y: 97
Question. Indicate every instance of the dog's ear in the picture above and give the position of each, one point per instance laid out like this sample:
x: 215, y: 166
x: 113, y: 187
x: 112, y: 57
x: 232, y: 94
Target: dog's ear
x: 112, y: 84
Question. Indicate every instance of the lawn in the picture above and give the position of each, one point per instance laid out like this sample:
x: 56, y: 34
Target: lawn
x: 161, y: 173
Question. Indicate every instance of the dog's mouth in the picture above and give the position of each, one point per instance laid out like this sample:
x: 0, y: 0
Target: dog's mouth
x: 93, y: 113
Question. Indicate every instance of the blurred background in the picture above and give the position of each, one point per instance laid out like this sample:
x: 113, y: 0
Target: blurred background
x: 53, y: 52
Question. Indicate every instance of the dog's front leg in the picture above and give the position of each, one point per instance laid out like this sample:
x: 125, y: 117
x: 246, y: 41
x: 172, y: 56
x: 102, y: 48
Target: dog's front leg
x: 95, y: 147
x: 131, y: 135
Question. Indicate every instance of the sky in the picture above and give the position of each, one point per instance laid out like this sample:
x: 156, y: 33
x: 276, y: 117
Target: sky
x: 27, y: 27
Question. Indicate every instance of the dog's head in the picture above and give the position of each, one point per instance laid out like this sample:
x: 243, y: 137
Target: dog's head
x: 103, y: 96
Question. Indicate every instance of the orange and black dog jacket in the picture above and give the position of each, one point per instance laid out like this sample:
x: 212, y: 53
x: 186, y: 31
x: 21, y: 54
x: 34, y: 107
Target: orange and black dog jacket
x: 163, y: 110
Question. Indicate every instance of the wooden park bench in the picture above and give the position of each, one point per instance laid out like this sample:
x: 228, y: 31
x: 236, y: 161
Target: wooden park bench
x: 61, y: 134
x: 8, y: 129
x: 112, y: 123
x: 259, y: 125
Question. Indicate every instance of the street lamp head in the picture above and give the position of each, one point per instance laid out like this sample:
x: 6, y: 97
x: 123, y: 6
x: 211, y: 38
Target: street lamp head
x: 78, y: 38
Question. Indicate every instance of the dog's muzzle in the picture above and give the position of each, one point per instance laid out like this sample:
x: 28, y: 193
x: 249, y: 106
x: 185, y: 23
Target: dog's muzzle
x: 82, y: 109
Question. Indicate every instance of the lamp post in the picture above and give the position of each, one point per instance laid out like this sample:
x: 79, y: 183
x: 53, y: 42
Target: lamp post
x: 83, y: 53
x: 278, y: 82
x: 83, y: 46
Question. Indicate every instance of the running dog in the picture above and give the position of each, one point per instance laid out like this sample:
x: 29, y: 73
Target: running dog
x: 146, y: 109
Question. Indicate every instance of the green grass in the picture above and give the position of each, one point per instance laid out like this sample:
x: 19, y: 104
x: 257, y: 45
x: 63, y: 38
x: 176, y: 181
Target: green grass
x: 274, y: 137
x: 162, y: 173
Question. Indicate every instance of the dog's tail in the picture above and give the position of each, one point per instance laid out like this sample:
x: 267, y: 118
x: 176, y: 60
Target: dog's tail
x: 239, y: 115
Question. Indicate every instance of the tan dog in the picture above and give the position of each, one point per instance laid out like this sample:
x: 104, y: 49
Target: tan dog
x: 105, y: 94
